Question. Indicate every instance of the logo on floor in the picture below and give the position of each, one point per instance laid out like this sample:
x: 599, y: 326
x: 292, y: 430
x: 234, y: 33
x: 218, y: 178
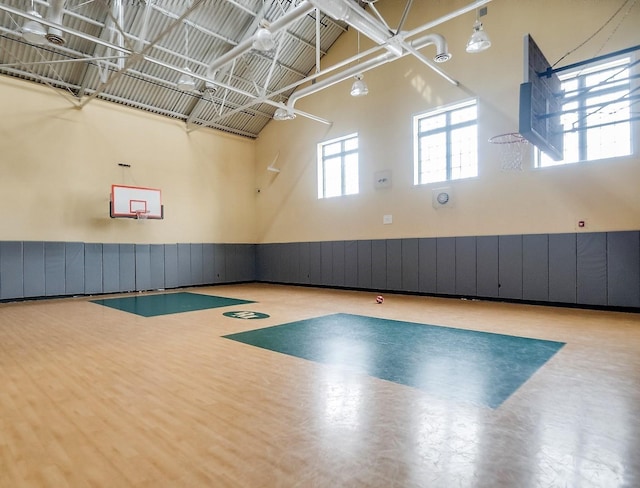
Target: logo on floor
x: 246, y: 315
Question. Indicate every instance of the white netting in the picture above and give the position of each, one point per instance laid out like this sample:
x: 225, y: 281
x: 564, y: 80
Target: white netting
x: 512, y: 147
x: 141, y: 215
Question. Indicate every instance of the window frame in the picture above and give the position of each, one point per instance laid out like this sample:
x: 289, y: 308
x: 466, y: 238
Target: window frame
x: 586, y: 105
x: 342, y: 154
x: 448, y: 128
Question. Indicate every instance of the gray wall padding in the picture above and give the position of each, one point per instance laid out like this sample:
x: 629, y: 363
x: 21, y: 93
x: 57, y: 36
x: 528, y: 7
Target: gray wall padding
x: 379, y: 265
x: 623, y: 270
x: 466, y: 266
x: 427, y: 265
x: 394, y: 265
x: 11, y: 270
x: 410, y: 264
x: 487, y: 279
x: 446, y: 265
x: 510, y: 267
x: 562, y: 268
x: 364, y: 265
x: 535, y: 267
x: 600, y: 269
x: 592, y: 268
x: 34, y: 269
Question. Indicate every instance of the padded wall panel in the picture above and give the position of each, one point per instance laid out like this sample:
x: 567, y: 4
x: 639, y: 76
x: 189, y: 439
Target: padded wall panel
x: 337, y: 263
x: 220, y: 259
x: 487, y: 279
x: 197, y: 271
x: 208, y: 266
x: 410, y: 264
x: 394, y: 264
x: 428, y: 265
x: 364, y: 265
x: 379, y: 264
x: 156, y: 266
x: 11, y: 270
x: 562, y: 268
x: 171, y: 266
x: 143, y: 267
x: 93, y: 268
x: 446, y: 265
x: 291, y: 261
x: 264, y: 258
x: 74, y: 268
x: 110, y: 268
x: 351, y: 264
x: 303, y: 265
x: 315, y: 263
x: 127, y: 267
x: 466, y: 266
x: 326, y: 263
x: 184, y: 264
x: 623, y: 269
x: 33, y: 268
x: 54, y: 268
x: 510, y: 266
x: 591, y: 268
x: 247, y: 263
x: 535, y: 267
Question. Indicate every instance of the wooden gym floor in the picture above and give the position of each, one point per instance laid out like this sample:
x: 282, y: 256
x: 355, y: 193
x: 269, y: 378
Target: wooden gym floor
x: 93, y: 396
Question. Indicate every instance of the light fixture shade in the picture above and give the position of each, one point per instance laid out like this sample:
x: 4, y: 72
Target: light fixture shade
x: 263, y: 40
x: 33, y: 31
x: 479, y: 40
x: 186, y: 82
x: 359, y: 87
x: 282, y: 113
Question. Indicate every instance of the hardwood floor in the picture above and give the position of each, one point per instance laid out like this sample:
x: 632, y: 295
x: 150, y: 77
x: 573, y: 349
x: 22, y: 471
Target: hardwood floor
x: 91, y: 396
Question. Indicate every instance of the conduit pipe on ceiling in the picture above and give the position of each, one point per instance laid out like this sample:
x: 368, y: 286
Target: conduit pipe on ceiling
x: 294, y: 14
x: 360, y: 20
x: 437, y: 39
x: 54, y: 14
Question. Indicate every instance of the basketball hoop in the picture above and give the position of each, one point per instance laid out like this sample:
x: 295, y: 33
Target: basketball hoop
x: 513, y: 147
x: 141, y: 214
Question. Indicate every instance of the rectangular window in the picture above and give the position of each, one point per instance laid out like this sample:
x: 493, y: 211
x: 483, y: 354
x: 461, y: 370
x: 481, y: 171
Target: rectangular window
x: 446, y: 143
x: 338, y: 167
x: 596, y: 113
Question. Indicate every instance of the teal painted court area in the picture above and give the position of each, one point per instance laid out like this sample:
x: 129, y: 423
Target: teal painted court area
x: 168, y: 303
x: 471, y: 366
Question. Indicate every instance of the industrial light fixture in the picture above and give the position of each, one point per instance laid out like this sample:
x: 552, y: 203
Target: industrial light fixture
x: 479, y: 40
x: 282, y: 113
x: 359, y: 87
x: 263, y: 39
x: 186, y: 81
x: 33, y: 31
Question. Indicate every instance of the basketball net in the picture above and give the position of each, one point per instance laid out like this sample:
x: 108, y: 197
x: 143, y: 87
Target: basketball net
x: 512, y: 147
x: 141, y: 215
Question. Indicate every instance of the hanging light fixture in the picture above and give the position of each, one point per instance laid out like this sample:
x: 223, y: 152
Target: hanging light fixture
x: 33, y: 31
x: 359, y: 87
x: 479, y: 40
x: 186, y: 81
x: 282, y: 113
x: 263, y: 39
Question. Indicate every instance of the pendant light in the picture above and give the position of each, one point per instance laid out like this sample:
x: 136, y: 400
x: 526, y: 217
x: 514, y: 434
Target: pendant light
x: 33, y: 31
x: 479, y: 40
x: 359, y: 87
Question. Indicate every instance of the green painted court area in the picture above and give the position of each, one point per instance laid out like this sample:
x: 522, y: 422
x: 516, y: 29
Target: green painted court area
x: 168, y: 303
x: 471, y: 366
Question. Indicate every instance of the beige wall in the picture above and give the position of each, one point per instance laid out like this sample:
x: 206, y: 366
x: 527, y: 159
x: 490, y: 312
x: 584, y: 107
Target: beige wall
x: 606, y: 194
x: 57, y: 165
